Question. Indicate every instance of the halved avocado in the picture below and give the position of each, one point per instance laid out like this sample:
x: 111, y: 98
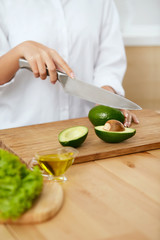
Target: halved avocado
x: 114, y: 137
x: 73, y: 136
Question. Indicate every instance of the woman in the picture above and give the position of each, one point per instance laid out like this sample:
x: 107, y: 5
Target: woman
x: 78, y: 37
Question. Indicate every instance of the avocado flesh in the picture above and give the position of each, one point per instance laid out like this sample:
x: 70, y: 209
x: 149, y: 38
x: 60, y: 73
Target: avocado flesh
x: 114, y: 137
x: 73, y: 136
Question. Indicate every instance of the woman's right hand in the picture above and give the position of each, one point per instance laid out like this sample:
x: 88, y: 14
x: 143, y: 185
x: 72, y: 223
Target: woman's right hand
x: 40, y: 57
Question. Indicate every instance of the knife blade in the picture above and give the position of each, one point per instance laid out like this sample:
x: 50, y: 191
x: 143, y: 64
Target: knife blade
x: 88, y: 91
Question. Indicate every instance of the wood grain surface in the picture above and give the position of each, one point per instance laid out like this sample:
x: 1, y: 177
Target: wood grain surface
x: 26, y: 141
x: 116, y: 198
x: 111, y: 199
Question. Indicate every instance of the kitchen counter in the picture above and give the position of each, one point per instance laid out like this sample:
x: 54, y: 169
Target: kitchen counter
x: 116, y: 198
x: 142, y: 35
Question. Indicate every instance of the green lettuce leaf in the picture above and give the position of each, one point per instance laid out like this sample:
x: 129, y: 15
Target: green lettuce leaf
x: 19, y: 186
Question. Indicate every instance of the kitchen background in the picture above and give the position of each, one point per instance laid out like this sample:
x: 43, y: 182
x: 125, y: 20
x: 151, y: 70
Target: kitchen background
x: 140, y: 26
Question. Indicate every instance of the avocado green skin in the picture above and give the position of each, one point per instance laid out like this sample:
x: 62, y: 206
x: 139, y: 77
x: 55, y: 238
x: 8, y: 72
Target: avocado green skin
x: 100, y: 114
x: 114, y: 137
x: 74, y: 143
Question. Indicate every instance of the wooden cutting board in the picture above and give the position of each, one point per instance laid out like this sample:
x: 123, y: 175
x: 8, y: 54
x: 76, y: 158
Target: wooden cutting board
x: 25, y: 141
x: 45, y: 206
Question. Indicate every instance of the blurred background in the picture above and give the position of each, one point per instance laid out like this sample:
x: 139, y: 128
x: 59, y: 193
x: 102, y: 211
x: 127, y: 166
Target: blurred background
x: 140, y: 26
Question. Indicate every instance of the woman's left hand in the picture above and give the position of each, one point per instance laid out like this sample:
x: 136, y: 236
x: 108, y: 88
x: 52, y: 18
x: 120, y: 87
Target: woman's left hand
x: 129, y: 116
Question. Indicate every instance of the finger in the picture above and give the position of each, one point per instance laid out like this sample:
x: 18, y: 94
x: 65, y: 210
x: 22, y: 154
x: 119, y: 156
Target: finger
x: 135, y: 119
x: 41, y: 68
x: 127, y: 117
x: 125, y: 113
x: 62, y: 64
x: 34, y: 68
x: 129, y: 120
x: 51, y: 69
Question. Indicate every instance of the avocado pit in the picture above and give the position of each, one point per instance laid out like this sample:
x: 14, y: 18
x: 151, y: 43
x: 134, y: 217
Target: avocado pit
x: 113, y: 126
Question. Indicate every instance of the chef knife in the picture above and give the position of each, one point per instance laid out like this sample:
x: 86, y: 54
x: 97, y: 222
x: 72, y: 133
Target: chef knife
x: 88, y: 91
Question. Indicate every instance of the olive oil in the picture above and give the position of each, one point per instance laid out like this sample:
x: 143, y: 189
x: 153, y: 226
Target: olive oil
x: 56, y: 164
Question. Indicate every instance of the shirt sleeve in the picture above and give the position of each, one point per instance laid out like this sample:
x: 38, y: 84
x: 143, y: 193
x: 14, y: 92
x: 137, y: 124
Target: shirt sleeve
x: 110, y: 66
x: 4, y: 43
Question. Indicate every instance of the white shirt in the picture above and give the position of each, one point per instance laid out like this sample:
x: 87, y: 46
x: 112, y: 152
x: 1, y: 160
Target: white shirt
x: 85, y: 33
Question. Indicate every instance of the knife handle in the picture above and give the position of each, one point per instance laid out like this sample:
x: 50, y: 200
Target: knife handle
x: 23, y: 63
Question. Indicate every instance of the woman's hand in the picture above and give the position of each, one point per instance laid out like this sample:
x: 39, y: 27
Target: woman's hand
x: 129, y: 116
x: 40, y: 57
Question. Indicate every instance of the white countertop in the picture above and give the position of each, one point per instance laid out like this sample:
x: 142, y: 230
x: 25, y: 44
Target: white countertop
x: 142, y: 35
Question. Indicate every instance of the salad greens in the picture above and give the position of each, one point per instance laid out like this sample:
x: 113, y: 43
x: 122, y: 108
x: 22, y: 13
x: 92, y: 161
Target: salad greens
x: 19, y: 186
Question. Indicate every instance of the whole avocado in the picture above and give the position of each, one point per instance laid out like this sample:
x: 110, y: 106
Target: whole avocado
x: 100, y: 114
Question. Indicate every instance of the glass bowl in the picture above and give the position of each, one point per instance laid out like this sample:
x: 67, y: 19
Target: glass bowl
x: 54, y: 163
